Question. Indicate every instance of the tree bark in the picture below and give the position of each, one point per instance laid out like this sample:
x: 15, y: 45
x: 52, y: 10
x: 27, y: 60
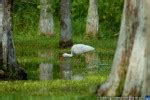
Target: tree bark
x: 66, y: 28
x: 1, y: 34
x: 134, y: 78
x: 92, y: 24
x: 46, y: 24
x: 126, y: 76
x: 146, y: 87
x: 10, y: 65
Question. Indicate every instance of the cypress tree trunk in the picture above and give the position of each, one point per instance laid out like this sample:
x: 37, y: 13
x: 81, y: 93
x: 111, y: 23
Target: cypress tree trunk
x: 10, y: 65
x: 1, y: 33
x: 66, y: 28
x: 92, y: 23
x: 134, y: 77
x: 46, y: 24
x: 126, y: 76
x: 146, y: 83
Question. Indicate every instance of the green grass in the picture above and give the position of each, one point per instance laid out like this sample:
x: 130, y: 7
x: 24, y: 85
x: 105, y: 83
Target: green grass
x: 30, y: 45
x: 20, y: 97
x: 53, y: 88
x: 27, y: 49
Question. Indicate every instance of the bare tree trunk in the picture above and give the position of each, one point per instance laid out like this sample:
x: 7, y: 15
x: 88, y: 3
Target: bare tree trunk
x: 66, y: 28
x: 146, y: 86
x: 46, y: 24
x: 92, y: 23
x: 9, y: 57
x: 1, y: 34
x: 128, y: 66
x: 134, y: 77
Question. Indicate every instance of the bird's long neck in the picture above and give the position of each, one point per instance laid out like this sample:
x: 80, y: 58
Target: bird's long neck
x: 69, y: 55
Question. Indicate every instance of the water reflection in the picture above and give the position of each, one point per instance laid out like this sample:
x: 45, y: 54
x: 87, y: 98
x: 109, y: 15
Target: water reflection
x: 92, y: 60
x: 66, y: 69
x: 66, y: 66
x: 46, y: 71
x: 46, y: 68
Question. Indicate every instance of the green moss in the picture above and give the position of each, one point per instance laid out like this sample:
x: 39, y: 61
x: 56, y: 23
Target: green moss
x: 120, y: 88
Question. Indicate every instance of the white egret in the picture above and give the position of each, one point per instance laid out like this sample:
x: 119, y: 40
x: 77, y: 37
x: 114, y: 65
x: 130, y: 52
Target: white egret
x: 79, y: 49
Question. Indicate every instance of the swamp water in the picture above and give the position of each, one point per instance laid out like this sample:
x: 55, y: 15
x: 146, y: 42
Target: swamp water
x: 72, y: 76
x: 54, y: 66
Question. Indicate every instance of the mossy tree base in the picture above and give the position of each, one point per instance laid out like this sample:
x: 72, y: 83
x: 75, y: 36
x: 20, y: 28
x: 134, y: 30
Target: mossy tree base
x: 65, y: 44
x: 9, y: 66
x: 17, y: 72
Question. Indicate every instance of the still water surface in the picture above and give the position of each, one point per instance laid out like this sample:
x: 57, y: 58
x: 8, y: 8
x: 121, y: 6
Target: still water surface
x: 54, y: 66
